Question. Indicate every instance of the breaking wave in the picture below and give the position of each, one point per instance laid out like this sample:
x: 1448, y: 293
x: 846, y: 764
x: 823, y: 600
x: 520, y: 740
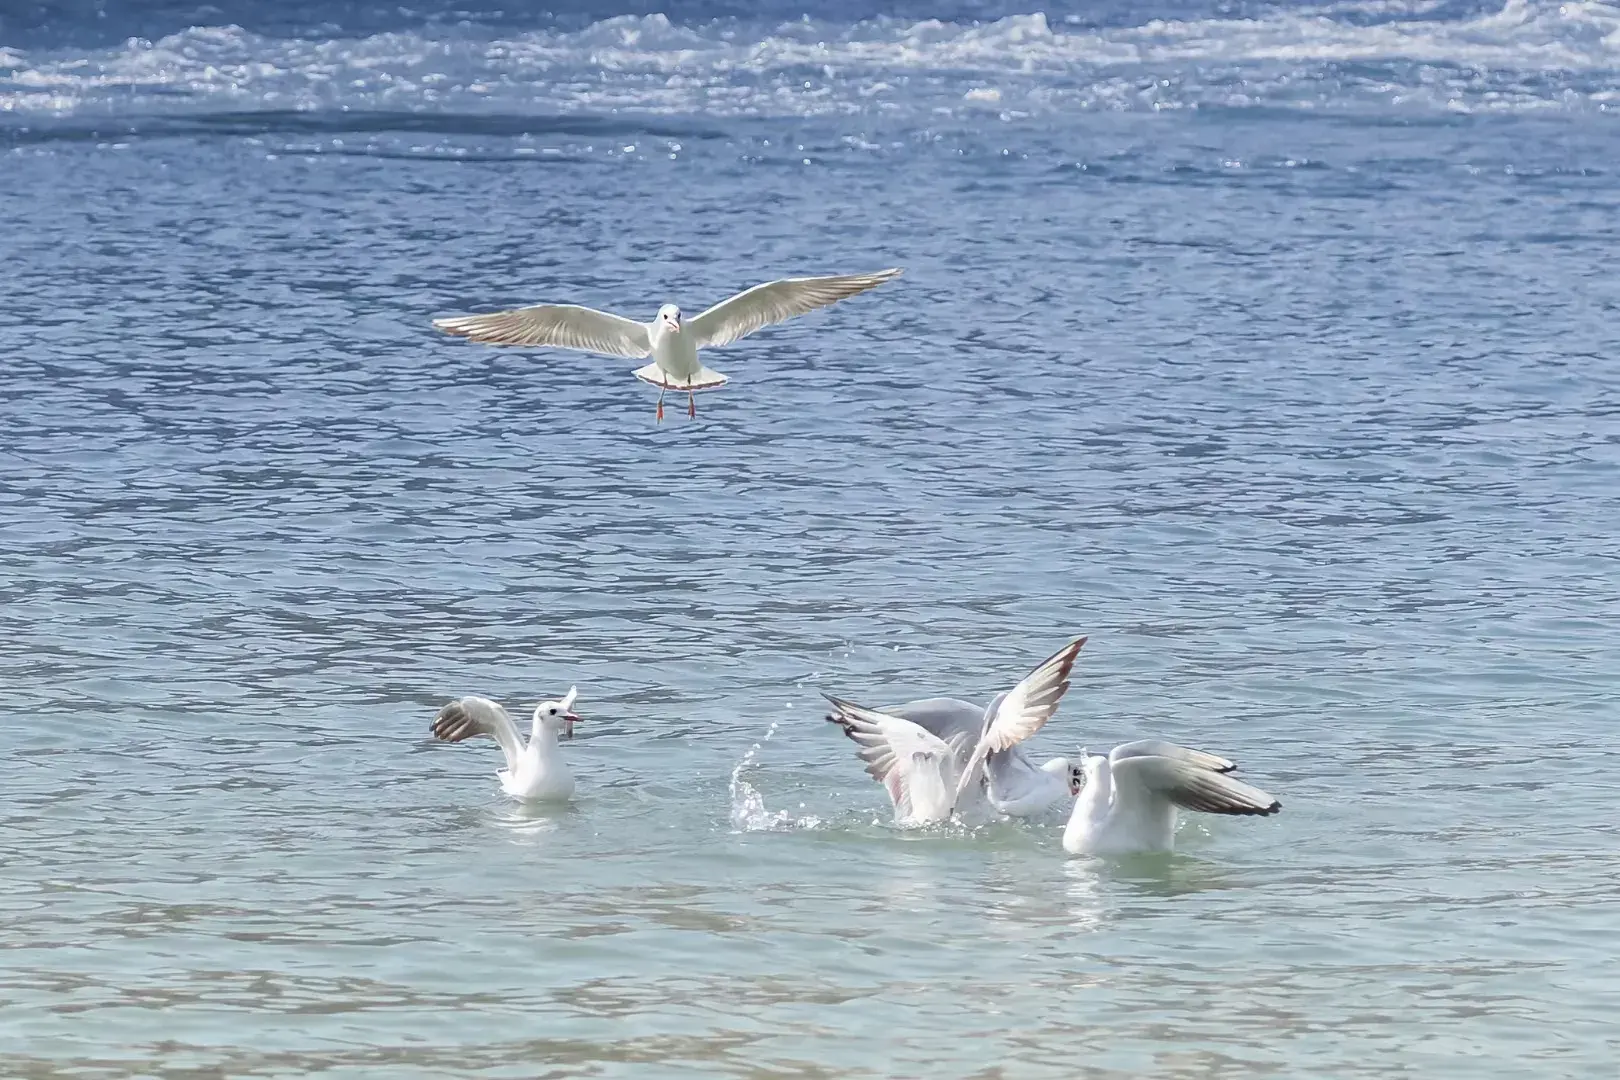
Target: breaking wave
x: 1527, y: 54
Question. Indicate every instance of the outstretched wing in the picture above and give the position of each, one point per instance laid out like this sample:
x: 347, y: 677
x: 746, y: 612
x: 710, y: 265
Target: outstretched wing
x: 777, y: 301
x: 473, y: 716
x: 1193, y: 787
x: 916, y: 767
x: 957, y: 722
x: 562, y: 326
x: 1024, y: 709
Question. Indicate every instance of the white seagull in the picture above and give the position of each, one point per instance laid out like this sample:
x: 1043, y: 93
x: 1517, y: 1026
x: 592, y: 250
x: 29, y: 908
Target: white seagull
x: 672, y: 344
x: 929, y: 775
x: 534, y: 771
x: 1129, y: 800
x: 1017, y: 786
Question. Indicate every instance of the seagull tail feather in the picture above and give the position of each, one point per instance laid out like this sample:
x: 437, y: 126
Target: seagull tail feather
x: 703, y: 379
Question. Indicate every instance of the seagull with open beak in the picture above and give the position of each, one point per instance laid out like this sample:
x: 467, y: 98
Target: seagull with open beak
x: 535, y: 771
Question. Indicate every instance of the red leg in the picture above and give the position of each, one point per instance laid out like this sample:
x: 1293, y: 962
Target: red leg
x: 691, y: 405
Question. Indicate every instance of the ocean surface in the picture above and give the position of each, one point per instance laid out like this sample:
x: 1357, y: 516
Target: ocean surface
x: 1272, y: 345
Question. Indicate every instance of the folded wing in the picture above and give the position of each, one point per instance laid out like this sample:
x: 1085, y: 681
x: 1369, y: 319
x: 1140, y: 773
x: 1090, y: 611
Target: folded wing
x: 562, y: 326
x: 777, y: 301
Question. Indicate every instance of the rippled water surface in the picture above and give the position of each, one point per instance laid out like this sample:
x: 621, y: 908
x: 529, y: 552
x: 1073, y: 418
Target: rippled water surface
x: 1271, y: 346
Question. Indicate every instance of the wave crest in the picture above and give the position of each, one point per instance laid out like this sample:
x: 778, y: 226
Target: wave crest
x: 1539, y: 51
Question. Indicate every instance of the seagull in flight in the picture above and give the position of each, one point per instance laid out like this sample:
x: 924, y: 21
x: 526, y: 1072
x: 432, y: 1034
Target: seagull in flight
x: 671, y: 340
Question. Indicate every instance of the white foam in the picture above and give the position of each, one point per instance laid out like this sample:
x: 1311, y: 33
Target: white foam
x: 809, y: 68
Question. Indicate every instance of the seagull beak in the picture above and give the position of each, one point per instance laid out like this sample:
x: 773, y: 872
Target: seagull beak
x: 570, y: 720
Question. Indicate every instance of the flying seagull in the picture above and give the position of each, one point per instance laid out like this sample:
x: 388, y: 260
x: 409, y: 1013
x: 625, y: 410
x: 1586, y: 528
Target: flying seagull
x: 672, y: 343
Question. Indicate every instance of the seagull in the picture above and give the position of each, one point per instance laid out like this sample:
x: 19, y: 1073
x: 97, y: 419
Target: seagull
x: 1017, y: 786
x: 930, y: 774
x: 534, y: 771
x: 1130, y: 797
x: 672, y: 343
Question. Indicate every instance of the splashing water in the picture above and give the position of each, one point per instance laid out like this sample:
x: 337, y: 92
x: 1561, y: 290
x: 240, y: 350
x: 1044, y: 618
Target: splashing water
x: 748, y: 812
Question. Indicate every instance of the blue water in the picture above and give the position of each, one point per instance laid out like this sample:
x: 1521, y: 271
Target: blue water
x: 1272, y: 346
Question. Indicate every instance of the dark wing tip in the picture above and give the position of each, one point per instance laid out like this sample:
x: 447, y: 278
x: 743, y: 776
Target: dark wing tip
x: 1065, y: 658
x: 452, y: 724
x: 839, y: 716
x: 1067, y: 655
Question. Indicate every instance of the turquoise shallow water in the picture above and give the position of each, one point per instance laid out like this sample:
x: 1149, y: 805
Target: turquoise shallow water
x: 1301, y: 404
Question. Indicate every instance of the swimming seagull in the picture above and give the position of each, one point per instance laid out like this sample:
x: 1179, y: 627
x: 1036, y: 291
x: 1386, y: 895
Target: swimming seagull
x: 534, y: 771
x: 1130, y: 797
x: 672, y: 344
x: 929, y: 774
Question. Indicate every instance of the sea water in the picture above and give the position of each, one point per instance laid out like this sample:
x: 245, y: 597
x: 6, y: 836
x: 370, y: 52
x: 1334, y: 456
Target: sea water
x: 1273, y: 346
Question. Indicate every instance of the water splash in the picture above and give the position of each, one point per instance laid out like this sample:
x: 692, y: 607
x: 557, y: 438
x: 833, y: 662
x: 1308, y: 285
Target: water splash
x: 748, y: 812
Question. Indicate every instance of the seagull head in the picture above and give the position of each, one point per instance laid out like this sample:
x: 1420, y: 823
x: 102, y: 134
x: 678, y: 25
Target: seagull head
x: 558, y: 715
x: 1072, y: 773
x: 669, y: 319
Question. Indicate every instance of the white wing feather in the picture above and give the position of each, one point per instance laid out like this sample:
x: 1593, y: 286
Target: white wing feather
x: 1025, y: 710
x: 917, y: 767
x: 777, y: 301
x: 562, y: 326
x: 1160, y: 748
x: 1192, y: 786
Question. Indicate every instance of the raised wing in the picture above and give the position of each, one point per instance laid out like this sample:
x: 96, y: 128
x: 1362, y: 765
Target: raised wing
x: 1024, y: 709
x: 473, y: 716
x: 947, y: 718
x: 1160, y: 748
x: 562, y: 326
x: 777, y: 301
x: 1193, y: 787
x: 917, y: 767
